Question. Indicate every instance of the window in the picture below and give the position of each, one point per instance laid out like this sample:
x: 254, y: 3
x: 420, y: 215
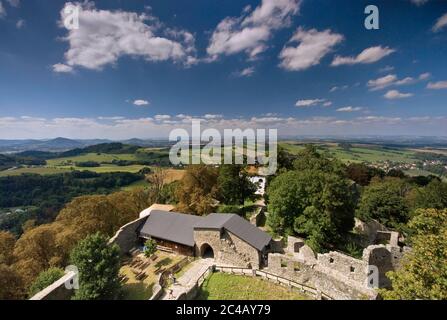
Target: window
x: 331, y: 260
x: 352, y: 269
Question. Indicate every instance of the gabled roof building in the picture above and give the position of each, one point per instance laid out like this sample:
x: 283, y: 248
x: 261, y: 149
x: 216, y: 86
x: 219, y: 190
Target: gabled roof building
x: 228, y: 238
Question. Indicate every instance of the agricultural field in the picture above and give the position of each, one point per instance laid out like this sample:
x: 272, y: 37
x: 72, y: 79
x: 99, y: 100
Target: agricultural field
x: 103, y: 163
x: 43, y: 170
x: 223, y: 286
x: 97, y: 157
x: 358, y: 152
x: 46, y: 170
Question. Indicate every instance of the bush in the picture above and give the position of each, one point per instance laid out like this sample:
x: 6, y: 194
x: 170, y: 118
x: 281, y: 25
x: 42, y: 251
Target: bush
x: 229, y: 209
x: 44, y: 279
x: 150, y: 247
x: 88, y: 164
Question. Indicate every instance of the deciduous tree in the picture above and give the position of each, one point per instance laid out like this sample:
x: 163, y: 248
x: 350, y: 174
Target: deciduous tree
x: 197, y: 190
x: 313, y: 203
x: 7, y: 242
x: 11, y: 287
x: 98, y: 265
x: 423, y: 273
x: 385, y: 200
x: 234, y: 185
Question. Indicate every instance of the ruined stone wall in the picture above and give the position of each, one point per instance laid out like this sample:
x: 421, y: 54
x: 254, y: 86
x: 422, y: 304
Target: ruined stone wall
x: 386, y: 258
x: 227, y: 248
x: 343, y: 265
x: 127, y: 237
x: 333, y: 285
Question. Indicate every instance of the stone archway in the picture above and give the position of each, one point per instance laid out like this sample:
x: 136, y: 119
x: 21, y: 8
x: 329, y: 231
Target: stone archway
x: 206, y: 251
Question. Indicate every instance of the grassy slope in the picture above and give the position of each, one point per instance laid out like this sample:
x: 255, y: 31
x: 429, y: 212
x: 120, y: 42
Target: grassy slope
x: 222, y: 286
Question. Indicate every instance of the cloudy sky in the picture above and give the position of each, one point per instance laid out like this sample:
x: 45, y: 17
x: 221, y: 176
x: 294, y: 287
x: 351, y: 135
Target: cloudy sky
x: 139, y: 68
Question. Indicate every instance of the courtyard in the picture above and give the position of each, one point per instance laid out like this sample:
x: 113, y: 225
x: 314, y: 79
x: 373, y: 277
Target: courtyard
x: 139, y: 273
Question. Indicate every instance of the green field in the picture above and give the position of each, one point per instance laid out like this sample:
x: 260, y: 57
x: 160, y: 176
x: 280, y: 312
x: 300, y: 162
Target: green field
x: 137, y: 184
x: 35, y: 170
x: 358, y: 153
x: 61, y: 169
x: 223, y: 286
x: 66, y: 164
x: 101, y: 158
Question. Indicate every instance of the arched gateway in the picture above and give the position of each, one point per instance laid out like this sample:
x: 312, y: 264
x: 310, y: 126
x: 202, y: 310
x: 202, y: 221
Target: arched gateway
x: 206, y: 251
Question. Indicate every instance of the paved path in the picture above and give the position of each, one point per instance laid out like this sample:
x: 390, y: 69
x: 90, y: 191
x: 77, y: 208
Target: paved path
x: 188, y: 279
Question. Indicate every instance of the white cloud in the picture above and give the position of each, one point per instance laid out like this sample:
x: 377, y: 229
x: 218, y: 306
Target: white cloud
x: 395, y: 94
x: 327, y: 104
x: 337, y: 88
x: 349, y: 109
x: 393, y: 80
x: 437, y: 85
x: 20, y: 24
x: 440, y: 23
x: 213, y: 116
x: 125, y: 128
x: 141, y: 102
x: 2, y: 10
x: 62, y: 68
x: 104, y: 36
x: 161, y: 117
x: 382, y: 82
x: 111, y: 118
x: 424, y: 76
x: 249, y: 32
x: 313, y: 46
x: 247, y: 72
x: 419, y: 2
x: 310, y: 102
x: 369, y: 55
x: 386, y: 69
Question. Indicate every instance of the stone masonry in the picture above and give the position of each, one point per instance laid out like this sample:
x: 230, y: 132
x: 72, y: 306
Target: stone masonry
x: 227, y: 248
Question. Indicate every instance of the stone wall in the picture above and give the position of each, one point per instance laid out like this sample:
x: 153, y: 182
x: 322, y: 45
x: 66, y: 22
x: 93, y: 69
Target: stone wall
x: 127, y: 237
x: 319, y: 277
x: 344, y: 266
x: 386, y: 258
x: 57, y: 290
x: 337, y: 274
x: 227, y: 248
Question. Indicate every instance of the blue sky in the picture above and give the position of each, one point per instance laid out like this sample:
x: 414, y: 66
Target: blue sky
x: 139, y: 68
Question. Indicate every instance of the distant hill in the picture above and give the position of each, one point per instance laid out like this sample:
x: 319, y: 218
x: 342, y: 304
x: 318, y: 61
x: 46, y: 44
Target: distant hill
x: 52, y: 145
x: 64, y: 144
x: 113, y: 147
